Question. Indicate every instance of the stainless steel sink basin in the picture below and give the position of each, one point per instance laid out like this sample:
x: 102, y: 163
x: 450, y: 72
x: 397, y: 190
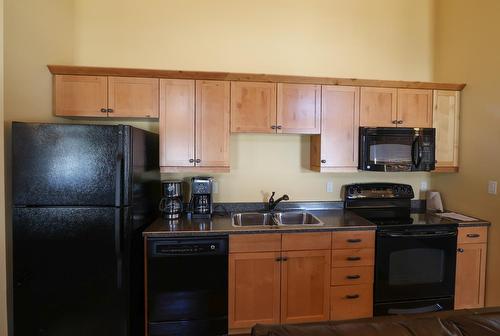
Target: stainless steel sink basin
x: 252, y: 219
x: 297, y: 218
x: 256, y: 219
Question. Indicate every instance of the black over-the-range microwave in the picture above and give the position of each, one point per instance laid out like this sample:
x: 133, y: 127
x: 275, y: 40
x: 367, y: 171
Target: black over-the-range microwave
x: 397, y: 149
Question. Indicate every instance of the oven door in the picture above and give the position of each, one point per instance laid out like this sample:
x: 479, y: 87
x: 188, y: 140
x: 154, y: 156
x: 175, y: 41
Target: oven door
x: 416, y: 263
x: 396, y: 149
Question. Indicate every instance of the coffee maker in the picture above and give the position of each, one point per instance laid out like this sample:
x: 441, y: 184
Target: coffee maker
x: 201, y: 197
x: 171, y: 203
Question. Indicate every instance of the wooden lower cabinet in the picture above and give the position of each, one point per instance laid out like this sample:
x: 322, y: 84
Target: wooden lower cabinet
x: 254, y: 289
x: 305, y: 282
x: 471, y: 268
x: 351, y: 302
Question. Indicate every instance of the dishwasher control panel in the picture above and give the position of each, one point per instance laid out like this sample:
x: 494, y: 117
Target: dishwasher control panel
x: 169, y: 247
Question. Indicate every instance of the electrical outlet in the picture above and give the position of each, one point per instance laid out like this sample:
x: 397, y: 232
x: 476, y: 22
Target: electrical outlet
x: 329, y: 186
x: 492, y: 187
x: 215, y: 187
x: 423, y: 186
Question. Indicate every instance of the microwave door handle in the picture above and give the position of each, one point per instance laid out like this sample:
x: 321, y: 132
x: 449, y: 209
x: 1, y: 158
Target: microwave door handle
x: 419, y: 151
x: 413, y: 145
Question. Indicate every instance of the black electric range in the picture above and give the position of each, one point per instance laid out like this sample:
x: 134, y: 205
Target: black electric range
x: 415, y: 254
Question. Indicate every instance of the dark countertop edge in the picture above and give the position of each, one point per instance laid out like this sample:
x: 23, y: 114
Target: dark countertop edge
x: 257, y: 231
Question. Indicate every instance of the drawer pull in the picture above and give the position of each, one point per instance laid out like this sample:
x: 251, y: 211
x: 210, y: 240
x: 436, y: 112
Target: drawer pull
x: 473, y: 235
x: 353, y: 258
x: 352, y: 297
x: 353, y: 277
x: 354, y: 240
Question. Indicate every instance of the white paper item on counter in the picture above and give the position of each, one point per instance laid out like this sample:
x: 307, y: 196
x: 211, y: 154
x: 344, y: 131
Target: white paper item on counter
x: 456, y: 216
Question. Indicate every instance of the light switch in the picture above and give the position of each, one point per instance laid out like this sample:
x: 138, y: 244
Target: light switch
x: 329, y: 186
x: 492, y: 187
x: 423, y: 186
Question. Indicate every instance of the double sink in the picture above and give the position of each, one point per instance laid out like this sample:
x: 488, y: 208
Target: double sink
x: 292, y: 218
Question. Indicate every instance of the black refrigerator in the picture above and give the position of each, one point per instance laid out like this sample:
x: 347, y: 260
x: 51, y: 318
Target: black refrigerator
x: 82, y: 195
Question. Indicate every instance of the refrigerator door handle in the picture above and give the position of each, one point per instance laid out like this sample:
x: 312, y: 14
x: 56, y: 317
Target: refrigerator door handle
x: 119, y: 173
x: 119, y: 247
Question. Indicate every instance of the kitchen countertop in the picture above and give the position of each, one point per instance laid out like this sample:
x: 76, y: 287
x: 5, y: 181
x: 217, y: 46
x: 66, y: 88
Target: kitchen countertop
x: 333, y: 219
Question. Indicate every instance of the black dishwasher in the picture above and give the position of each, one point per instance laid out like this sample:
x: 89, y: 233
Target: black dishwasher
x: 187, y: 286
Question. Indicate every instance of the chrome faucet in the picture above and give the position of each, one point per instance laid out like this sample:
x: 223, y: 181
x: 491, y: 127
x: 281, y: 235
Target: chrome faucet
x: 273, y: 203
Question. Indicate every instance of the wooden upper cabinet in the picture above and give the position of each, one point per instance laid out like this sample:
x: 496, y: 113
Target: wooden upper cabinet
x: 298, y: 109
x: 414, y: 108
x: 102, y: 96
x: 446, y: 122
x: 177, y: 122
x: 133, y: 97
x: 253, y: 107
x: 212, y: 123
x: 378, y: 107
x: 470, y: 276
x: 337, y: 146
x: 254, y: 289
x: 305, y: 286
x: 80, y: 96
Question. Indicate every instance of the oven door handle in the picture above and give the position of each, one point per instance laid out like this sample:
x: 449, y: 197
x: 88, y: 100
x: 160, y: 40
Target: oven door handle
x: 427, y: 309
x: 416, y: 235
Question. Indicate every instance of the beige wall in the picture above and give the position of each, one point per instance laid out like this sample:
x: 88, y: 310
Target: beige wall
x: 3, y: 270
x: 467, y: 51
x: 385, y: 39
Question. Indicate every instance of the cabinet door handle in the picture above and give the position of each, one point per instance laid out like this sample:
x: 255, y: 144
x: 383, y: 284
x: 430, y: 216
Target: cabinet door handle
x: 103, y: 110
x: 191, y: 160
x: 278, y: 259
x: 353, y: 258
x: 284, y: 258
x: 394, y: 122
x: 354, y: 240
x: 198, y: 160
x: 351, y: 297
x: 473, y: 235
x: 323, y: 161
x: 273, y: 127
x: 110, y: 110
x: 353, y: 277
x: 400, y: 122
x: 461, y: 250
x: 278, y: 127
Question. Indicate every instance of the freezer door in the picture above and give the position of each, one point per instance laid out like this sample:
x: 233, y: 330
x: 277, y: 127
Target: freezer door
x: 73, y: 165
x: 69, y: 266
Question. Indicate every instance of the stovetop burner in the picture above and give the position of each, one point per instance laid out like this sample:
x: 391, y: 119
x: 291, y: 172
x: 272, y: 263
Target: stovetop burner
x: 413, y: 219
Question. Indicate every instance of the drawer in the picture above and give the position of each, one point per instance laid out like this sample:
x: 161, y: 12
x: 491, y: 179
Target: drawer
x: 471, y: 235
x: 354, y: 257
x: 306, y: 241
x: 353, y: 239
x: 255, y: 243
x: 351, y: 302
x: 342, y: 276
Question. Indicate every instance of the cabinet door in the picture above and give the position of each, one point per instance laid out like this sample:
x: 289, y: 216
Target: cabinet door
x: 378, y: 107
x: 80, y: 96
x: 470, y: 276
x: 340, y: 125
x: 212, y: 123
x: 177, y: 122
x: 254, y: 289
x: 446, y: 122
x: 299, y: 109
x: 133, y: 97
x: 253, y: 107
x: 414, y: 108
x: 305, y: 285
